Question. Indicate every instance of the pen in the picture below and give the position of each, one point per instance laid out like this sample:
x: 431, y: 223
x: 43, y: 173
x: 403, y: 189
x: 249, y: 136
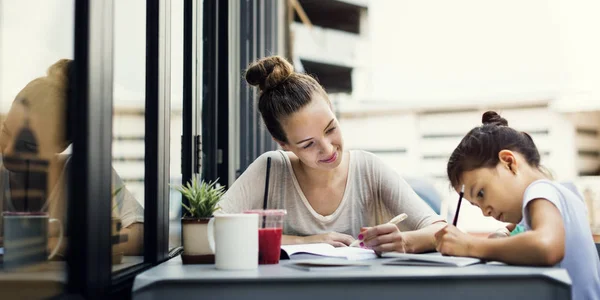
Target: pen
x: 397, y: 219
x: 460, y: 196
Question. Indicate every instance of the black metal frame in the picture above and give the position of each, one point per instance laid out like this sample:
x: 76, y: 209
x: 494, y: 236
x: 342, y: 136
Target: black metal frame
x: 90, y: 116
x: 258, y: 38
x: 215, y: 86
x: 89, y: 258
x: 89, y: 266
x: 247, y: 55
x: 156, y: 208
x: 188, y: 93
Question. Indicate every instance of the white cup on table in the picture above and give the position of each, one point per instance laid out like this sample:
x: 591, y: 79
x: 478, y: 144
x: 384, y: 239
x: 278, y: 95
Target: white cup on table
x: 236, y: 241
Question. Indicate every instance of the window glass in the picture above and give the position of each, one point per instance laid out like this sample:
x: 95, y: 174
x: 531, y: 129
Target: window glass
x: 128, y: 148
x: 36, y: 52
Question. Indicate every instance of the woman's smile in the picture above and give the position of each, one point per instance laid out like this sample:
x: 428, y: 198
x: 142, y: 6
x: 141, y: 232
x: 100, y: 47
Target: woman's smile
x: 331, y: 159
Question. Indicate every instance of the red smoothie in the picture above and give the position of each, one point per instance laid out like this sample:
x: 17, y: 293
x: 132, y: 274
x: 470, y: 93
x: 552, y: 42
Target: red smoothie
x: 269, y: 245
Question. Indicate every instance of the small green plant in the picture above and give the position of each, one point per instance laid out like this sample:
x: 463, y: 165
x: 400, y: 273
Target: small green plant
x: 202, y: 196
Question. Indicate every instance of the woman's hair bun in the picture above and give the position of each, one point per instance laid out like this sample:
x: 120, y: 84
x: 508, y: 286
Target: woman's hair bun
x: 269, y: 72
x: 491, y: 117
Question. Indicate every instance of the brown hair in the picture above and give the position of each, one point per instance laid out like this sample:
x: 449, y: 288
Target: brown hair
x: 282, y: 91
x: 480, y: 147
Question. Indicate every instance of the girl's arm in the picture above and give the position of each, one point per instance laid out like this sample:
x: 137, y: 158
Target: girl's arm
x: 544, y: 245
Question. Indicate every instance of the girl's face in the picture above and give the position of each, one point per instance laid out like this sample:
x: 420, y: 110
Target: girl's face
x: 314, y: 135
x: 497, y: 191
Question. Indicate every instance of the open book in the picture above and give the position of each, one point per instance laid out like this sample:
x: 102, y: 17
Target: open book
x: 305, y: 251
x: 429, y: 259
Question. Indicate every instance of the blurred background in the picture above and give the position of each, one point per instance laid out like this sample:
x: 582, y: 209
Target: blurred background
x: 410, y: 78
x: 407, y: 78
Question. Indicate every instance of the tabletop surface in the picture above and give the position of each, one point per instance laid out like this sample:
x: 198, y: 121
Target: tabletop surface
x: 174, y: 271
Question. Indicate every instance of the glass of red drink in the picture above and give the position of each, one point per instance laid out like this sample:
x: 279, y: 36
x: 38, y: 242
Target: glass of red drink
x: 270, y: 226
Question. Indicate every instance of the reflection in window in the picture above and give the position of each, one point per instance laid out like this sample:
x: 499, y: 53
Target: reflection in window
x: 35, y: 55
x: 127, y: 227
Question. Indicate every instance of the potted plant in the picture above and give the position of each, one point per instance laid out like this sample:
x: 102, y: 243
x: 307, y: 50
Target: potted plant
x: 203, y: 198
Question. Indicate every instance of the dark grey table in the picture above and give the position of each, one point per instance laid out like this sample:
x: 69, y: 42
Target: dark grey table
x: 172, y: 280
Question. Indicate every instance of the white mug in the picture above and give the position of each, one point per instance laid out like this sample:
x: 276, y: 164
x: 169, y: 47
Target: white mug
x: 26, y: 238
x: 235, y: 241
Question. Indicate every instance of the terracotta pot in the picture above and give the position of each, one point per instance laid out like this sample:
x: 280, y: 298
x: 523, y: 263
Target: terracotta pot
x: 117, y: 251
x: 198, y: 246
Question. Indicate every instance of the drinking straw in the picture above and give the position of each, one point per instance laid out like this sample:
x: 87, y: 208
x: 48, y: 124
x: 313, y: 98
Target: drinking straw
x: 266, y: 191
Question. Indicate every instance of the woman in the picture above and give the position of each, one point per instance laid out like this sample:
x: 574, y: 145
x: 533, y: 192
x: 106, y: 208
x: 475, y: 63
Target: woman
x: 328, y: 192
x: 40, y: 108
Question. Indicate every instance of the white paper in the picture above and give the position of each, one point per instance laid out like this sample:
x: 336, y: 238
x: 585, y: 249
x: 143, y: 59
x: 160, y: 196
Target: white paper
x: 327, y: 264
x: 430, y: 259
x: 326, y: 250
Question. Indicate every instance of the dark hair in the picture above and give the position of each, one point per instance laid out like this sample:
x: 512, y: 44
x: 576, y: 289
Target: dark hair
x: 480, y: 147
x: 282, y: 91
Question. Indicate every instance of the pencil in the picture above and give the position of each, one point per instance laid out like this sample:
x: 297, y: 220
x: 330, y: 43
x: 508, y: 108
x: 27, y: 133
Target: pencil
x: 395, y: 220
x: 460, y: 196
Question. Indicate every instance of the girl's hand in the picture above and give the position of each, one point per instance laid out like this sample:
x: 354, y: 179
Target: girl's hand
x: 502, y: 232
x: 333, y: 238
x: 451, y: 241
x: 384, y: 238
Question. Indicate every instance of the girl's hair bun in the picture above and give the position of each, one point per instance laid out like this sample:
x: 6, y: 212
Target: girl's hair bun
x: 491, y: 117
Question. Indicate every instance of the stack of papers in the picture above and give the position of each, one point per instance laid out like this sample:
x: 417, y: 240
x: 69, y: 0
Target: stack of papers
x: 304, y: 251
x: 333, y: 264
x: 429, y: 259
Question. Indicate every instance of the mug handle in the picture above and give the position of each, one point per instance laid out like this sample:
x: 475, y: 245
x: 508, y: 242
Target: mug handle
x: 60, y: 237
x: 210, y: 232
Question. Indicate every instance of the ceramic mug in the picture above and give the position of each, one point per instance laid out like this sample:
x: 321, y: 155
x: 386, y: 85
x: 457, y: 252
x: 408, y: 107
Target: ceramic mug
x: 235, y: 241
x: 26, y: 238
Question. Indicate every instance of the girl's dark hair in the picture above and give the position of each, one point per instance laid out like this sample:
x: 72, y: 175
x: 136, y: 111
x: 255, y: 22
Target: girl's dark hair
x: 282, y: 91
x: 480, y: 147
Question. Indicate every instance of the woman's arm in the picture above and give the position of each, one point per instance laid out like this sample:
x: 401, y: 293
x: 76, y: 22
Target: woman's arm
x: 135, y: 239
x: 396, y: 195
x: 388, y: 238
x: 544, y: 245
x: 333, y: 238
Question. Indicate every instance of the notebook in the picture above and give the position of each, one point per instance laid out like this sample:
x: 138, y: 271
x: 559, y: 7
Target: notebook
x: 327, y: 264
x: 429, y: 259
x: 306, y: 251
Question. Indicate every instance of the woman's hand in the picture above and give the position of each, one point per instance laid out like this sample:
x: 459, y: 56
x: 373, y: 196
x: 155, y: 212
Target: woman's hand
x: 451, y: 241
x: 384, y: 238
x: 333, y: 238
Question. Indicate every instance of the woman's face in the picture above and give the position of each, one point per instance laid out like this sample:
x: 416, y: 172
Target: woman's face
x: 314, y: 135
x: 43, y: 112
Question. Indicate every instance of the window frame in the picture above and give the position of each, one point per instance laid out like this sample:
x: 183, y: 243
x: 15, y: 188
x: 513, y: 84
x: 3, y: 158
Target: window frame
x: 89, y: 262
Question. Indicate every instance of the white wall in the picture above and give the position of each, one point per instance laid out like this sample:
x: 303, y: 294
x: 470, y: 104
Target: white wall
x: 580, y: 43
x: 464, y: 51
x: 30, y: 43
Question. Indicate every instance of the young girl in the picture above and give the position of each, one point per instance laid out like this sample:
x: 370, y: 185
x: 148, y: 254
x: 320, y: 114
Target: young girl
x: 329, y: 192
x: 501, y: 173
